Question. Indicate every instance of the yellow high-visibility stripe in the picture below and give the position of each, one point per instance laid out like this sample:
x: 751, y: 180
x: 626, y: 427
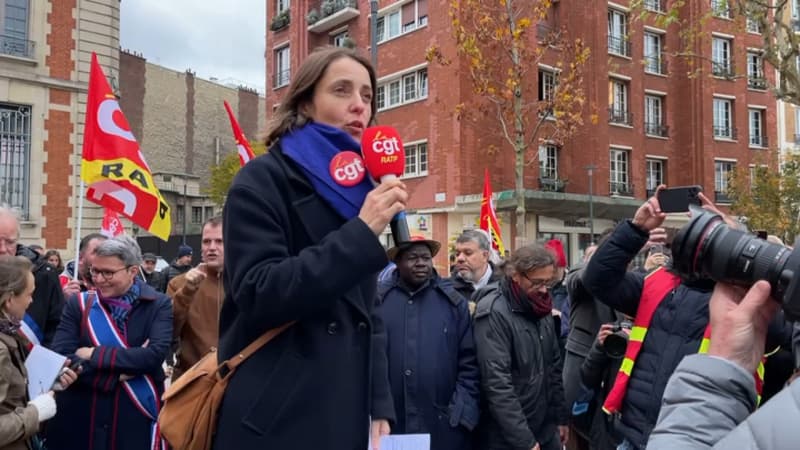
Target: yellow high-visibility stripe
x: 627, y: 366
x: 704, y: 344
x: 760, y: 371
x: 637, y: 334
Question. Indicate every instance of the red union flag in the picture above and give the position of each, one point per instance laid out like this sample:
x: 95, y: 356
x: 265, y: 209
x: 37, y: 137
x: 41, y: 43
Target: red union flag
x: 111, y: 224
x: 113, y: 167
x: 245, y: 152
x: 488, y: 221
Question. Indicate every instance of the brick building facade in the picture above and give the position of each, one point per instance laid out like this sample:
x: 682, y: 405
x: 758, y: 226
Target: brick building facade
x: 660, y: 118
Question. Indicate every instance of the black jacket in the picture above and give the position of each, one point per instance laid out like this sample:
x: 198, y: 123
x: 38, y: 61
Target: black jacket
x: 433, y: 370
x: 467, y: 289
x: 520, y: 372
x: 48, y: 298
x: 586, y: 314
x: 676, y: 329
x: 170, y: 272
x: 290, y: 257
x: 155, y: 279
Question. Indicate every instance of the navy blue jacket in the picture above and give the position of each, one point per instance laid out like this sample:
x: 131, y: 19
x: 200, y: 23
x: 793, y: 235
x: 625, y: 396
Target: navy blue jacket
x: 433, y: 369
x: 95, y: 413
x: 290, y: 257
x: 676, y: 329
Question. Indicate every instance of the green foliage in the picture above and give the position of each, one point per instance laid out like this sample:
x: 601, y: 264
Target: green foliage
x: 768, y: 197
x: 222, y: 174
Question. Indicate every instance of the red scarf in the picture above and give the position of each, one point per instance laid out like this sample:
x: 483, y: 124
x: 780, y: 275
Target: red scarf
x: 541, y: 304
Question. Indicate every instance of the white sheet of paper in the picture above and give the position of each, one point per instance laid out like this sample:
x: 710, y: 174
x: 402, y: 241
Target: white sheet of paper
x: 43, y: 367
x: 406, y: 442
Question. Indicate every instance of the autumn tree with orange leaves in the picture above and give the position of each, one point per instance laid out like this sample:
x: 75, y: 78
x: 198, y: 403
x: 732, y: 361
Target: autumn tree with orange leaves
x: 502, y: 43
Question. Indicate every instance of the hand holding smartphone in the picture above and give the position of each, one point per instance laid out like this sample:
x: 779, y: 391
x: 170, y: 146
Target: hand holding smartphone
x: 678, y: 199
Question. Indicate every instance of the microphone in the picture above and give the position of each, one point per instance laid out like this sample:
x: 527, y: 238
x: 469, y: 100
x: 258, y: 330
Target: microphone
x: 385, y: 158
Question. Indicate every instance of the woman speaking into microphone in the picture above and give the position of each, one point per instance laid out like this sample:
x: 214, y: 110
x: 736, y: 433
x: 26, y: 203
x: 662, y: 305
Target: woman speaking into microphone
x: 301, y: 241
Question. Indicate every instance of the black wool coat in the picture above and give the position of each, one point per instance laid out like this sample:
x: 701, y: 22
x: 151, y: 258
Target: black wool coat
x: 290, y: 257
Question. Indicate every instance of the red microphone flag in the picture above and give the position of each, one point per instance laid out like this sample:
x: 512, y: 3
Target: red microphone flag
x: 383, y: 152
x: 245, y: 152
x: 488, y: 221
x: 113, y: 167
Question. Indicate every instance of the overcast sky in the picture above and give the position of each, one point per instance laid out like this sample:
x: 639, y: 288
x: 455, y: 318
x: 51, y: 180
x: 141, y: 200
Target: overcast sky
x: 215, y: 39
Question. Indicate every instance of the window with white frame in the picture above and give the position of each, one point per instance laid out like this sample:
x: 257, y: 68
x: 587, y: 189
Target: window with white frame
x: 340, y: 39
x: 416, y: 160
x: 652, y: 53
x: 654, y: 5
x: 619, y: 175
x: 547, y: 85
x: 721, y: 56
x: 618, y: 103
x: 618, y: 33
x: 721, y: 8
x: 282, y: 5
x: 753, y: 25
x: 406, y: 18
x: 14, y: 28
x: 723, y: 118
x: 548, y: 161
x: 654, y: 115
x: 655, y: 175
x: 722, y: 173
x: 756, y: 128
x: 409, y: 87
x: 282, y: 67
x: 755, y: 71
x: 15, y: 153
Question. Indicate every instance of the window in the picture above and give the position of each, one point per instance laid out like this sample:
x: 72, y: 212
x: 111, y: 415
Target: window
x: 618, y: 103
x: 654, y: 5
x: 209, y: 212
x: 408, y: 88
x: 721, y: 8
x: 407, y: 18
x: 756, y: 128
x: 282, y: 68
x: 722, y: 172
x: 547, y: 85
x: 14, y: 31
x: 15, y: 149
x: 753, y: 26
x: 416, y: 160
x: 755, y: 71
x: 197, y: 215
x: 655, y: 175
x: 618, y: 33
x: 721, y: 57
x: 340, y: 39
x: 723, y: 118
x: 618, y: 176
x: 652, y: 53
x: 180, y: 213
x: 548, y: 162
x: 282, y: 5
x: 654, y: 116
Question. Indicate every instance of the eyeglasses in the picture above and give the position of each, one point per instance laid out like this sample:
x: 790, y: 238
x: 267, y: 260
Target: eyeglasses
x: 536, y: 284
x: 106, y: 274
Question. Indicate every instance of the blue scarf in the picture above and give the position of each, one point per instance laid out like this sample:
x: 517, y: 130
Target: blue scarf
x: 312, y: 148
x: 120, y: 307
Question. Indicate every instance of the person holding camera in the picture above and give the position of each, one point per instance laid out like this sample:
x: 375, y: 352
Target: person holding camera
x: 671, y: 319
x: 709, y: 397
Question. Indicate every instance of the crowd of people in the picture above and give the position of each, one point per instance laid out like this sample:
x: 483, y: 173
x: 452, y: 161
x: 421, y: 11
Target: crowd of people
x: 527, y: 352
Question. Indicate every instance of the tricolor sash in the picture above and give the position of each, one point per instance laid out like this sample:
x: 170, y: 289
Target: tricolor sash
x: 30, y: 330
x: 140, y: 389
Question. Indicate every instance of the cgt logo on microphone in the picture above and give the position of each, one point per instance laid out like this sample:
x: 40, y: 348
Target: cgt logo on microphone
x: 347, y: 168
x: 388, y: 146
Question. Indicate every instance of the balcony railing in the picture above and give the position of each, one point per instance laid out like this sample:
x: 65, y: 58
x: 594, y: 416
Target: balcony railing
x: 620, y: 116
x: 725, y: 132
x: 656, y: 129
x: 552, y: 184
x: 655, y: 64
x: 722, y: 69
x: 16, y: 47
x: 620, y: 188
x: 619, y: 45
x: 282, y: 78
x: 721, y: 197
x: 280, y: 20
x: 654, y: 5
x: 758, y: 141
x: 756, y: 83
x: 331, y: 14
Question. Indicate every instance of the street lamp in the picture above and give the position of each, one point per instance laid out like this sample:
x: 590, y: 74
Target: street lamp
x: 591, y: 168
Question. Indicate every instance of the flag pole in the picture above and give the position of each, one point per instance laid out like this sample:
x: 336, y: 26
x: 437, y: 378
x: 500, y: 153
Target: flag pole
x: 78, y: 230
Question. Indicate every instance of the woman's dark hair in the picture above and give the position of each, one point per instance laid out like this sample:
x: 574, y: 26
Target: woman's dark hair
x: 289, y: 115
x: 50, y: 253
x: 13, y: 279
x: 531, y: 257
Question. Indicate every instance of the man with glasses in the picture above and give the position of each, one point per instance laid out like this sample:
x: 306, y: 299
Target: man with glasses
x: 520, y: 358
x: 43, y: 315
x: 433, y: 373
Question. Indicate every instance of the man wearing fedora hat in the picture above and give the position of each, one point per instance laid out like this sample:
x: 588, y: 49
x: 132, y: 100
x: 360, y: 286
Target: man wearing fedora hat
x: 433, y: 369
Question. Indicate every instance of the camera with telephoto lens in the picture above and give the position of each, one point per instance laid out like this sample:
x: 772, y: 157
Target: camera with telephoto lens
x: 707, y: 247
x: 616, y: 343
